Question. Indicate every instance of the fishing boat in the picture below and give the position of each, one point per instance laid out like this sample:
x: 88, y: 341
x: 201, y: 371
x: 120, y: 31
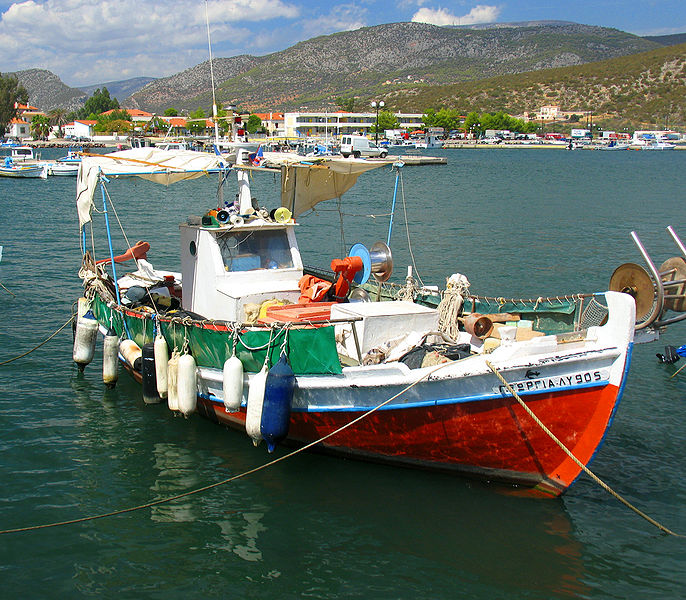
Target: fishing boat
x: 342, y: 360
x: 657, y: 146
x: 11, y: 169
x: 72, y: 157
x: 63, y: 169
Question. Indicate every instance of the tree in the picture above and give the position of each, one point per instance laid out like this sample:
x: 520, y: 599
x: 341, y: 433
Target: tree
x: 254, y: 124
x: 58, y: 117
x: 171, y: 112
x: 429, y: 118
x: 40, y: 126
x: 196, y: 123
x: 472, y: 124
x: 98, y: 103
x: 11, y: 92
x: 347, y: 104
x: 387, y: 120
x: 156, y: 124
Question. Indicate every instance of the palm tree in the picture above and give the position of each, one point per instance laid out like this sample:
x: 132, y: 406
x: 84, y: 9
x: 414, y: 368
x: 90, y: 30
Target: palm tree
x: 58, y: 116
x: 40, y: 127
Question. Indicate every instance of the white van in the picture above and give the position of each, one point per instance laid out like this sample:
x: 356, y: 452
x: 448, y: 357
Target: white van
x: 358, y: 146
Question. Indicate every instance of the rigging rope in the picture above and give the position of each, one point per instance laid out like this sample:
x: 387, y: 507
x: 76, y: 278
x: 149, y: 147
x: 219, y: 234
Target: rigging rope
x: 564, y: 448
x: 6, y: 362
x: 8, y: 291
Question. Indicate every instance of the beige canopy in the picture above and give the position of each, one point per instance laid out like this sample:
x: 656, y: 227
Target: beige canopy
x: 304, y: 181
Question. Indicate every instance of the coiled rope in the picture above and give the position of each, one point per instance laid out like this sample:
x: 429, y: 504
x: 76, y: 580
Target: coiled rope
x: 6, y: 362
x: 228, y: 479
x: 564, y: 448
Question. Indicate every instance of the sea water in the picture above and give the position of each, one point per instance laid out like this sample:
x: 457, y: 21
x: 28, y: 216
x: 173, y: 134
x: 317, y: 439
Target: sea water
x: 523, y: 222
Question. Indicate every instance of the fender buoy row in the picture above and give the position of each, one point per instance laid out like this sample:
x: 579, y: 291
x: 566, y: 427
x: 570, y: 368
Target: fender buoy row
x: 175, y: 378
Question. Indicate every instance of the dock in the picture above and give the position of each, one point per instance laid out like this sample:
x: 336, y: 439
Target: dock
x: 418, y: 159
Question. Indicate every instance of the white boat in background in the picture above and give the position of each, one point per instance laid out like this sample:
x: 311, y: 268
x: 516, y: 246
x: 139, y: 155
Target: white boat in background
x: 23, y: 154
x: 657, y: 146
x: 612, y: 146
x: 430, y: 142
x: 72, y: 157
x: 9, y: 169
x: 59, y: 169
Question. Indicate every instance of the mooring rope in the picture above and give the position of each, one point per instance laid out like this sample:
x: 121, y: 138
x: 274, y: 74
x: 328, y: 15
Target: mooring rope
x: 39, y: 345
x: 234, y: 477
x: 8, y: 291
x: 564, y: 448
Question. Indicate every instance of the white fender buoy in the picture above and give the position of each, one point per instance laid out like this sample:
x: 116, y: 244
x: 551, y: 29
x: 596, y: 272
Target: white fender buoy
x: 161, y: 362
x: 233, y: 383
x: 110, y: 358
x: 173, y: 381
x: 82, y: 307
x: 132, y: 354
x: 84, y: 340
x: 253, y: 414
x: 187, y: 384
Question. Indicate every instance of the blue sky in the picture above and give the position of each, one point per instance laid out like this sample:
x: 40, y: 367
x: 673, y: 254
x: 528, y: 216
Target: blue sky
x: 95, y: 41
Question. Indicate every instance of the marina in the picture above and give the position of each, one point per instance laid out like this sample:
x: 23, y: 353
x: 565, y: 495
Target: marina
x: 541, y: 232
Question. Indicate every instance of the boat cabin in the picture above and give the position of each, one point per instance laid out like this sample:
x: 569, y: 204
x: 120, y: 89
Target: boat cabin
x: 22, y: 153
x: 226, y: 267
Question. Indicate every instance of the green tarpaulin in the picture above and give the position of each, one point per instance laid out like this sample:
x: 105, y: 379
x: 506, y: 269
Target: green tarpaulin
x: 310, y: 350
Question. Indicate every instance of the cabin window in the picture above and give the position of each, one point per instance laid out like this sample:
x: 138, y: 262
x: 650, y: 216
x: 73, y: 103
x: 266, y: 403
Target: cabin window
x: 252, y: 250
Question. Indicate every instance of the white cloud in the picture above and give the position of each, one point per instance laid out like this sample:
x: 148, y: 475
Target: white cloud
x: 98, y: 40
x: 439, y: 16
x: 343, y: 17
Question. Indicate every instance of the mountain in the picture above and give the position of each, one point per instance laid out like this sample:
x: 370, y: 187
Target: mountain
x: 47, y: 91
x: 648, y: 88
x: 181, y: 90
x: 377, y: 61
x: 119, y: 89
x: 667, y: 40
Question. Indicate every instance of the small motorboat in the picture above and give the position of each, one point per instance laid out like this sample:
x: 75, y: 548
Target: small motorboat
x: 64, y: 169
x: 10, y: 169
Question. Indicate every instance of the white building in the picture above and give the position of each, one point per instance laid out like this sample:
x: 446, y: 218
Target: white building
x: 82, y: 128
x: 336, y: 124
x: 18, y: 128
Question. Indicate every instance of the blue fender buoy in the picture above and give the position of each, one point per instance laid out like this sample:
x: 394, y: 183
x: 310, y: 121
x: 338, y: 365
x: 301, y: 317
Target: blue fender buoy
x: 276, y: 409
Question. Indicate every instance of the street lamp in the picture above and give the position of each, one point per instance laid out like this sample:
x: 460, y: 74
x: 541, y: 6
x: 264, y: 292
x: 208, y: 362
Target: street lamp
x: 377, y: 105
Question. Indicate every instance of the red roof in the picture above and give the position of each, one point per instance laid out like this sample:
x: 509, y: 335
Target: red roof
x: 132, y: 112
x: 84, y: 122
x: 177, y: 122
x: 275, y: 116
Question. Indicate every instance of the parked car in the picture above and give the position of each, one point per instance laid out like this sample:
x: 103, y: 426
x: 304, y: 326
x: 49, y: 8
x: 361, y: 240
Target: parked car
x: 359, y: 146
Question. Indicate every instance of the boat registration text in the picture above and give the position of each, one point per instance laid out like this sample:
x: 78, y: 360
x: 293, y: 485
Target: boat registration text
x: 533, y: 384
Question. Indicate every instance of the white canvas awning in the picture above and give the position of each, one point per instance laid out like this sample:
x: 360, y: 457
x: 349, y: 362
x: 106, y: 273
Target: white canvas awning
x: 304, y: 182
x: 159, y: 166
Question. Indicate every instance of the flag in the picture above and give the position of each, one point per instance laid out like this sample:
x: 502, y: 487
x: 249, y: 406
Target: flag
x: 256, y: 157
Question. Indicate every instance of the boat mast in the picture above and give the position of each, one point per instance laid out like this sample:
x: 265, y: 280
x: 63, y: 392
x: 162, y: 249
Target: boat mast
x: 214, y: 99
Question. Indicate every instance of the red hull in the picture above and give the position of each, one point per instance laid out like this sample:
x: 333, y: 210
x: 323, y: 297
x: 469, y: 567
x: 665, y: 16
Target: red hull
x: 491, y: 439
